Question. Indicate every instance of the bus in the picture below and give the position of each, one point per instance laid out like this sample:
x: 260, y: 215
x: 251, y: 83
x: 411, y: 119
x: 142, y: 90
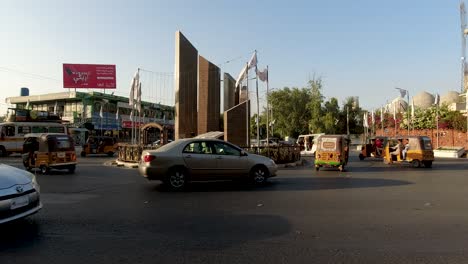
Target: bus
x: 12, y: 134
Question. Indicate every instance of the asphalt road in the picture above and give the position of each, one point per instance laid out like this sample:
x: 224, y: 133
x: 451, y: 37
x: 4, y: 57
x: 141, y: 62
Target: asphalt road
x: 372, y: 213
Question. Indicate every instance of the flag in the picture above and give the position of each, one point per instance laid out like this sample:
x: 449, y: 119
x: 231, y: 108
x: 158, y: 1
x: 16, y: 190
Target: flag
x: 131, y: 115
x: 138, y: 98
x: 436, y: 99
x: 365, y: 121
x: 263, y: 75
x: 382, y: 115
x: 100, y: 112
x: 133, y: 87
x: 27, y: 104
x: 394, y: 112
x: 117, y: 114
x: 412, y: 108
x: 253, y: 61
x: 241, y: 76
x: 373, y: 117
x: 55, y: 108
x: 402, y: 92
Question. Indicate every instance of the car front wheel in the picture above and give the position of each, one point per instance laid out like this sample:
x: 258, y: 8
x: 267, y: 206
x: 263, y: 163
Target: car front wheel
x: 259, y: 175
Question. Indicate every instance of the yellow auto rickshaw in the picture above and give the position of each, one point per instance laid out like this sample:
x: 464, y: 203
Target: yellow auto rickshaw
x: 374, y: 147
x: 332, y: 151
x: 414, y: 150
x: 99, y: 145
x: 47, y: 151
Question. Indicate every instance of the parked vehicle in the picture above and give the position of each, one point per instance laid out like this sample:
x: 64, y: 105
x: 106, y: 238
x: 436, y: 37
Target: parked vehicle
x: 198, y: 159
x: 415, y: 150
x: 374, y: 147
x: 19, y: 194
x: 99, y: 145
x: 332, y: 151
x: 12, y: 134
x: 47, y: 151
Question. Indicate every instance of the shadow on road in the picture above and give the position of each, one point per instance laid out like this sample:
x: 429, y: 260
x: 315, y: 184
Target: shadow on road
x: 19, y: 234
x: 291, y: 184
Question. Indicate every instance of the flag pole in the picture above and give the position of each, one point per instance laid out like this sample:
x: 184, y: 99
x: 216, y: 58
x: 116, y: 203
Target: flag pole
x: 258, y: 107
x: 247, y: 99
x: 267, y: 115
x: 407, y: 112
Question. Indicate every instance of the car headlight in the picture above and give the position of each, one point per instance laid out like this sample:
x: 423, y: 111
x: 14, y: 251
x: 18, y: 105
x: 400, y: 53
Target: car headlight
x: 272, y: 162
x: 34, y: 182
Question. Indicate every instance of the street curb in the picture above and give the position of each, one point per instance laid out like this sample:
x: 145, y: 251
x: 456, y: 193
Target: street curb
x: 292, y: 165
x: 131, y: 165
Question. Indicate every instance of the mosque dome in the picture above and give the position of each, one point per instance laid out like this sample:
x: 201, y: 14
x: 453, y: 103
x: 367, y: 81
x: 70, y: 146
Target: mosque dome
x: 423, y: 100
x: 450, y: 98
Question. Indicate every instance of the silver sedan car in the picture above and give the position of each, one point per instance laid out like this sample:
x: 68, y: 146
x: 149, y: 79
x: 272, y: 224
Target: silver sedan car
x: 198, y: 159
x: 19, y: 194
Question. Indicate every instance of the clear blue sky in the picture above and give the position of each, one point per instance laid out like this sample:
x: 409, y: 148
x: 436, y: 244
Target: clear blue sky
x: 359, y: 48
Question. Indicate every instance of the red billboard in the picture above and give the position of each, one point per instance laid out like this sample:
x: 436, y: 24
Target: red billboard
x: 89, y: 76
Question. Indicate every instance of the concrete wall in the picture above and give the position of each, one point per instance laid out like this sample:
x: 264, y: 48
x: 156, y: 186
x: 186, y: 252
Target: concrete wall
x: 209, y: 96
x: 186, y: 73
x: 236, y: 128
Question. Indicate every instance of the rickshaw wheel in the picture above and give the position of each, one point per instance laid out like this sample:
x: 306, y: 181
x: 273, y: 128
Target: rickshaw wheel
x: 83, y: 154
x: 361, y: 157
x: 44, y: 169
x: 110, y: 153
x: 341, y: 168
x: 428, y: 164
x: 415, y: 163
x: 317, y: 168
x: 72, y: 169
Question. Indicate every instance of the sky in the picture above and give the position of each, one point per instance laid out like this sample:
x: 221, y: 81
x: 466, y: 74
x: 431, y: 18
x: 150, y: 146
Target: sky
x: 361, y: 48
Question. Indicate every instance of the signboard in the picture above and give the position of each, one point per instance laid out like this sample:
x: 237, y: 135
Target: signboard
x: 89, y: 76
x: 128, y: 124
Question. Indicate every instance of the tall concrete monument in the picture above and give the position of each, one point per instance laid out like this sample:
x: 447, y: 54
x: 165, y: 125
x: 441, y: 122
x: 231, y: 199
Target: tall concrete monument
x: 186, y: 73
x: 229, y: 84
x: 236, y: 124
x: 209, y: 96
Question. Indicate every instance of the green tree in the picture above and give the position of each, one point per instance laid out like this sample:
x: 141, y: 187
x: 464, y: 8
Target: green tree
x: 316, y: 124
x: 332, y: 116
x: 352, y: 112
x: 290, y: 111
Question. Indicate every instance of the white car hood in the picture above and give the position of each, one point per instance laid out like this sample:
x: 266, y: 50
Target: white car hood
x: 11, y: 176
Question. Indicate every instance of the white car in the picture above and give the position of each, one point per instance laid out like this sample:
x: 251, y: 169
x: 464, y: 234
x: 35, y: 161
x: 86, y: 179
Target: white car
x: 19, y: 194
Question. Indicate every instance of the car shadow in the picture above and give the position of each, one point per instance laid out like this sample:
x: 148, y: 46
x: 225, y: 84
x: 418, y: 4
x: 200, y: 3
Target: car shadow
x: 290, y: 184
x: 19, y: 234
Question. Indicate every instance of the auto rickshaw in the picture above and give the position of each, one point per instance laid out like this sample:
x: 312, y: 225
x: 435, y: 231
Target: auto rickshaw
x: 47, y: 151
x: 414, y: 150
x: 332, y: 151
x: 99, y: 145
x: 374, y: 147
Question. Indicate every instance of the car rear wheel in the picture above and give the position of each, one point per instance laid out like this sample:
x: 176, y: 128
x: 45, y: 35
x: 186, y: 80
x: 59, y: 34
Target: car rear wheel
x: 177, y: 179
x: 259, y: 175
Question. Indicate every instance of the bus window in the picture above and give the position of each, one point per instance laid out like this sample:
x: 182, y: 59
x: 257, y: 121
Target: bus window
x: 9, y: 131
x: 39, y: 129
x: 56, y: 130
x: 22, y: 130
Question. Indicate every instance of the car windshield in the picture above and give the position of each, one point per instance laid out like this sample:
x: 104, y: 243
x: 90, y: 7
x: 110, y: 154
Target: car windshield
x: 60, y: 143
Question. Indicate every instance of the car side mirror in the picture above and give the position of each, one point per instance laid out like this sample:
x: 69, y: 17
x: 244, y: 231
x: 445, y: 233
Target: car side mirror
x: 243, y: 153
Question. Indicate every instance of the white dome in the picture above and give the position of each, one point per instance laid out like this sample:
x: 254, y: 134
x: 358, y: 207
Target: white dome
x: 423, y: 100
x: 399, y: 104
x: 450, y: 97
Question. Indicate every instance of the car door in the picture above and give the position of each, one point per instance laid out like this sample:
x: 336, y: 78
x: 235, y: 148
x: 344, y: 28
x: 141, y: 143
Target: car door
x: 200, y: 160
x: 230, y: 163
